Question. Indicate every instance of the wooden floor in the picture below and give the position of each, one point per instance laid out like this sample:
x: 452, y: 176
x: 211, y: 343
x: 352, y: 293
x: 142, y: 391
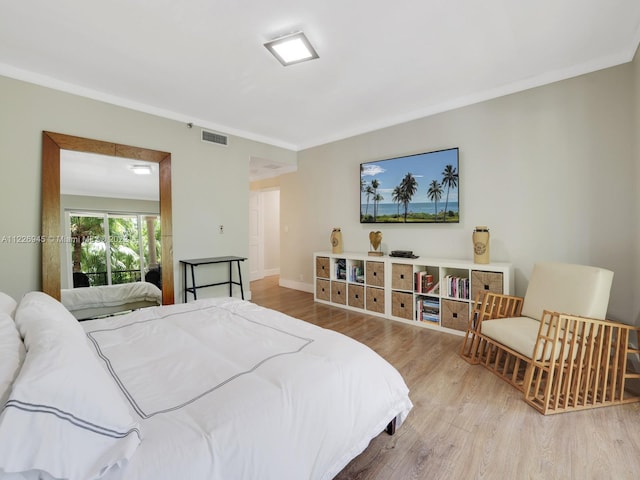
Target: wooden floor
x: 467, y: 423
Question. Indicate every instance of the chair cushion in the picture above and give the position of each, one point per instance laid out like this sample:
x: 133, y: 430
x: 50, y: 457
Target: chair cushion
x: 572, y: 289
x: 520, y: 334
x: 517, y: 333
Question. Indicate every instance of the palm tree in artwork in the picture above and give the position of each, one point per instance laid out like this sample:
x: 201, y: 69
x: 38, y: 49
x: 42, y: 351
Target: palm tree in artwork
x: 369, y: 191
x: 408, y: 188
x: 374, y: 186
x: 396, y: 197
x: 449, y: 180
x: 376, y: 200
x: 434, y: 194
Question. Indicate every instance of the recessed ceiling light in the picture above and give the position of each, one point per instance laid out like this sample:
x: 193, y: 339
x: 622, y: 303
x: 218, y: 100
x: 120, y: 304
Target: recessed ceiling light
x: 292, y: 48
x: 141, y: 169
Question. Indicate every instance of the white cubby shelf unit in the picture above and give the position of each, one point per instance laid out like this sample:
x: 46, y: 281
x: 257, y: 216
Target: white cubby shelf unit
x: 434, y: 293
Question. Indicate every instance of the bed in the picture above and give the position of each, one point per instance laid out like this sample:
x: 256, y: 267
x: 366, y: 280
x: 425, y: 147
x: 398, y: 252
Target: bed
x: 92, y: 302
x: 212, y: 389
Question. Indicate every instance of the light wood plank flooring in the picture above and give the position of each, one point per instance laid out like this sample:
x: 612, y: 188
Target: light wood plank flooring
x: 466, y: 422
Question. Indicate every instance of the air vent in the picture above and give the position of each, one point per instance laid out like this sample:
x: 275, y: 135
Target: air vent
x: 213, y: 137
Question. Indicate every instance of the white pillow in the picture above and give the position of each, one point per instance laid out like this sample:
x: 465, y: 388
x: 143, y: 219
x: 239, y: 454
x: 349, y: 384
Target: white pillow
x: 47, y: 319
x: 65, y: 415
x: 12, y: 354
x: 7, y: 304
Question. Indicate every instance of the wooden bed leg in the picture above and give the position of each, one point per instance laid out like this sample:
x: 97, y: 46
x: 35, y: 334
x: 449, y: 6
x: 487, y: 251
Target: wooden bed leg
x: 391, y: 427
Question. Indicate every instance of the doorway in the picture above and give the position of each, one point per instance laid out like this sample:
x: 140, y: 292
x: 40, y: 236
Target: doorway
x: 264, y: 233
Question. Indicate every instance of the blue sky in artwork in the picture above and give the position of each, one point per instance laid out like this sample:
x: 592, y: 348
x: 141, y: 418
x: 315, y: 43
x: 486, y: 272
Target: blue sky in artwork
x: 425, y: 167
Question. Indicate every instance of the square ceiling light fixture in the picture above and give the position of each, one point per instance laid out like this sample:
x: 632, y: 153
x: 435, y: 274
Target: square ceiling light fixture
x: 292, y: 48
x: 141, y: 169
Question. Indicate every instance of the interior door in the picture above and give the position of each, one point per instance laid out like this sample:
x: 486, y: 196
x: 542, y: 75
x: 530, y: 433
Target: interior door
x: 256, y: 234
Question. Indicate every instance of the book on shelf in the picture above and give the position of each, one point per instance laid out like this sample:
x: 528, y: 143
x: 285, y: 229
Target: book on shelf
x: 457, y: 287
x: 341, y: 269
x: 427, y: 310
x: 423, y: 282
x: 357, y: 274
x: 434, y: 289
x: 426, y: 317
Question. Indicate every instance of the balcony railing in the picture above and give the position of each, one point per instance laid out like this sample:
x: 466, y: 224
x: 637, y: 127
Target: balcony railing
x: 117, y: 276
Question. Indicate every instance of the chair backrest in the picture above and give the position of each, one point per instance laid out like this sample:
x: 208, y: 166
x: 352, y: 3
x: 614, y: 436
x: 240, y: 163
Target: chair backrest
x: 154, y: 276
x: 80, y: 279
x: 566, y: 288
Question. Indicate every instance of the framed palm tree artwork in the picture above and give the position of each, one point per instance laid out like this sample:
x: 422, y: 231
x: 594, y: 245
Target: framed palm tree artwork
x: 420, y: 188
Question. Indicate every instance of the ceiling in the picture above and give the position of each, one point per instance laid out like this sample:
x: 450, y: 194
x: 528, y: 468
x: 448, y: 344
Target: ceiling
x: 95, y: 175
x: 381, y: 63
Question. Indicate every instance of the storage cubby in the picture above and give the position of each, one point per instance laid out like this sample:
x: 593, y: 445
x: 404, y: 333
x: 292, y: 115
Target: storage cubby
x: 455, y: 283
x: 339, y: 270
x: 375, y: 300
x: 323, y: 289
x: 455, y: 315
x: 402, y: 276
x: 402, y: 305
x: 482, y: 281
x: 356, y: 295
x: 323, y: 267
x: 426, y: 280
x: 428, y: 309
x: 374, y: 273
x: 355, y: 271
x: 339, y: 292
x: 429, y: 292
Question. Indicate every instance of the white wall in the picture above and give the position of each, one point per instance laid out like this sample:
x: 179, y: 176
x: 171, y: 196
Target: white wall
x: 271, y: 209
x: 552, y: 171
x: 210, y: 184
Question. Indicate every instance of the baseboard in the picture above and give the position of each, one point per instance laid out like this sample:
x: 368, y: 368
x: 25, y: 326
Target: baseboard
x: 305, y: 287
x: 265, y: 273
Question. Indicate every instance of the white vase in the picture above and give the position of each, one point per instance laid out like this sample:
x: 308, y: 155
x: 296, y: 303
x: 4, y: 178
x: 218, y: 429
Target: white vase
x: 481, y: 245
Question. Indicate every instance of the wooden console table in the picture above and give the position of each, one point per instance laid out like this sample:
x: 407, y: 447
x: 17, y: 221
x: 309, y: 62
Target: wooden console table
x: 208, y: 261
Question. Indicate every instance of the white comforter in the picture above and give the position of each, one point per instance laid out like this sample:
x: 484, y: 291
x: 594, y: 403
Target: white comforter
x: 110, y: 295
x: 228, y: 390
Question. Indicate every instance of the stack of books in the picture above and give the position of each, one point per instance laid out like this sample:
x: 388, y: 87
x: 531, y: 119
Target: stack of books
x: 341, y: 269
x: 428, y: 310
x: 423, y: 283
x: 357, y: 274
x: 457, y: 287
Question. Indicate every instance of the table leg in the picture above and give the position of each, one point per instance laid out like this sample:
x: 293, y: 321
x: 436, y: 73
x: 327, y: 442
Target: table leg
x: 240, y: 277
x: 184, y: 281
x: 193, y: 283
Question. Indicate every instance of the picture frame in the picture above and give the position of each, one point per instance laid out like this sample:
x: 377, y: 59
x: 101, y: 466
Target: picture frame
x: 418, y: 188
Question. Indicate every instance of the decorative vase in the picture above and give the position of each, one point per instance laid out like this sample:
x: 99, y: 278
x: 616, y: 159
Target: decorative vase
x: 336, y: 240
x: 481, y: 245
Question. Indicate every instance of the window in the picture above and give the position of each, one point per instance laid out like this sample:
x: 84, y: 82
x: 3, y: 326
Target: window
x: 111, y: 248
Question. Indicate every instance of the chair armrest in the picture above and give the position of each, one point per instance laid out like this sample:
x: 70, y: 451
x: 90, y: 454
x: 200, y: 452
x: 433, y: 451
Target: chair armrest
x: 489, y: 306
x: 573, y: 337
x: 580, y: 363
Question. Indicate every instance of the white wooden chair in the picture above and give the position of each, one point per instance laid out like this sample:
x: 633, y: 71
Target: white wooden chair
x: 554, y: 344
